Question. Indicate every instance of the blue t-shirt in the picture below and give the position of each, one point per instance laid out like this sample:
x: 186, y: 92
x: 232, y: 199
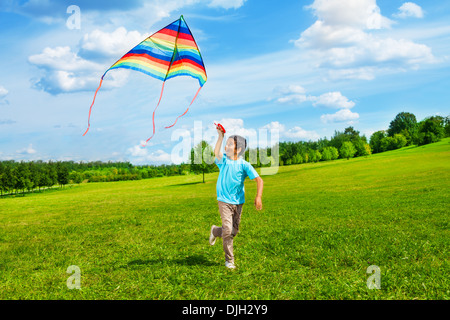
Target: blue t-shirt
x: 230, y: 184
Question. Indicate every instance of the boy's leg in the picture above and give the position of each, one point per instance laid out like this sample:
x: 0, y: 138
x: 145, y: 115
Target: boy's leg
x: 217, y: 231
x: 236, y: 219
x: 226, y: 214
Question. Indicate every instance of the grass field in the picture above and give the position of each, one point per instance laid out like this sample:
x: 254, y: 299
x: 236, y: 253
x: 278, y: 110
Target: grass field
x: 322, y: 225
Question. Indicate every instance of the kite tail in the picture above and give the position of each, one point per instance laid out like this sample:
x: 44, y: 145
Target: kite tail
x: 153, y: 117
x: 90, y: 109
x: 186, y: 109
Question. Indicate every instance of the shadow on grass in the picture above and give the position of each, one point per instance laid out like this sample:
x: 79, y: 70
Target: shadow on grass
x: 185, y: 261
x: 184, y: 184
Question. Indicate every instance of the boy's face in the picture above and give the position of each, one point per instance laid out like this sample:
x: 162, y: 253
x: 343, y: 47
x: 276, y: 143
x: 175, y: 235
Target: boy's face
x: 230, y: 148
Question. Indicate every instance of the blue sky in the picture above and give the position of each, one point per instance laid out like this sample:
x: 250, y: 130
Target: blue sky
x: 304, y: 68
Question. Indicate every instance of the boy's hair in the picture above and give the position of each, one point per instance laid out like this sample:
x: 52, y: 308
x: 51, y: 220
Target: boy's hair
x: 239, y: 142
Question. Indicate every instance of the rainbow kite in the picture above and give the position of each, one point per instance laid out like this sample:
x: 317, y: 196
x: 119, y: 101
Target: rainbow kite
x: 168, y: 53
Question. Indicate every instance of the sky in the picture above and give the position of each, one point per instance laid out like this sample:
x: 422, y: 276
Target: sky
x: 288, y: 70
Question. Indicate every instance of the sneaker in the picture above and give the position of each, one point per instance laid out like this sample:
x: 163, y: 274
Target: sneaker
x: 212, y: 239
x: 230, y: 265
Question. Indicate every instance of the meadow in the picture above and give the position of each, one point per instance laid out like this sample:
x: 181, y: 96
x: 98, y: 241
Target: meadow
x: 322, y: 225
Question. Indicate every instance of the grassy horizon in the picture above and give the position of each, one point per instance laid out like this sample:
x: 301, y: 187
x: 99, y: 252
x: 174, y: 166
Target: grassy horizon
x: 321, y: 226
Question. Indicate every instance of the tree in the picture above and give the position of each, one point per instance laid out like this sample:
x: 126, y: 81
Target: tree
x: 76, y: 177
x: 305, y: 156
x: 347, y: 150
x: 9, y: 178
x: 51, y: 175
x: 23, y: 177
x: 42, y: 176
x: 387, y: 143
x: 314, y: 155
x: 35, y: 174
x: 409, y: 136
x: 351, y: 134
x: 403, y: 121
x: 326, y: 154
x: 318, y: 155
x: 2, y: 178
x: 368, y: 150
x: 430, y: 130
x: 360, y: 146
x: 62, y: 173
x: 375, y: 141
x: 298, y: 159
x: 399, y: 141
x: 334, y: 153
x: 339, y: 138
x: 202, y: 158
x: 446, y: 124
x: 287, y: 152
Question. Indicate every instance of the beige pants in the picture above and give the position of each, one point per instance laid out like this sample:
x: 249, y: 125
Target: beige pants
x: 231, y: 218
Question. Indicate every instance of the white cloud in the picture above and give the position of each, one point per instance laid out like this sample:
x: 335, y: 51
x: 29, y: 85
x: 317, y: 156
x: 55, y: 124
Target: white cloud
x: 360, y: 14
x: 275, y: 125
x: 299, y: 133
x: 61, y: 58
x: 340, y: 116
x: 3, y: 92
x: 342, y: 38
x: 293, y: 98
x: 235, y: 126
x: 293, y: 133
x: 137, y: 151
x: 363, y: 73
x: 144, y: 155
x: 333, y: 100
x: 409, y: 9
x: 227, y: 4
x: 291, y: 89
x: 294, y: 94
x: 110, y: 44
x: 27, y: 150
x: 291, y: 94
x: 65, y: 71
x: 70, y: 71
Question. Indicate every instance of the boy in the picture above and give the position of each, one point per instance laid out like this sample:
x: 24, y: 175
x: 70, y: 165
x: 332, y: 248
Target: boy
x: 230, y: 191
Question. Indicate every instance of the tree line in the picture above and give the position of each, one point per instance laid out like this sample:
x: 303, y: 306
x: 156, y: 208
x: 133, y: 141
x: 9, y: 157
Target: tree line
x: 404, y: 130
x: 18, y: 177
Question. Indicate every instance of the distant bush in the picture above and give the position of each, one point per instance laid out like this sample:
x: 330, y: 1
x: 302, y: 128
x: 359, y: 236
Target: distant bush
x: 298, y: 159
x: 314, y: 155
x: 330, y: 153
x: 399, y: 141
x: 430, y: 130
x: 375, y: 141
x: 391, y: 143
x: 347, y: 150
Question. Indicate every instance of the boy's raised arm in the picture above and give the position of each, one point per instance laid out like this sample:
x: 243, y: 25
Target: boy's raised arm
x: 218, y: 147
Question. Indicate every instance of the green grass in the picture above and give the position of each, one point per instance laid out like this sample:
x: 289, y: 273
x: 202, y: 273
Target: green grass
x: 322, y: 225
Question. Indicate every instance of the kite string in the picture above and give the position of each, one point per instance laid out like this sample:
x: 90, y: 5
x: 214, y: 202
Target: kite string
x: 186, y: 109
x: 90, y: 109
x: 153, y: 116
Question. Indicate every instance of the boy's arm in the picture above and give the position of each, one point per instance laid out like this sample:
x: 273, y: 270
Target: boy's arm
x: 259, y: 192
x: 217, y: 151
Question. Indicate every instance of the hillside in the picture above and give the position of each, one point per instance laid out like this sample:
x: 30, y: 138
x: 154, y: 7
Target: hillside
x: 322, y: 225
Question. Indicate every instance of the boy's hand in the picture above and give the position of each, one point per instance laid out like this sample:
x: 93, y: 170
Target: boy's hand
x: 220, y: 129
x: 258, y: 203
